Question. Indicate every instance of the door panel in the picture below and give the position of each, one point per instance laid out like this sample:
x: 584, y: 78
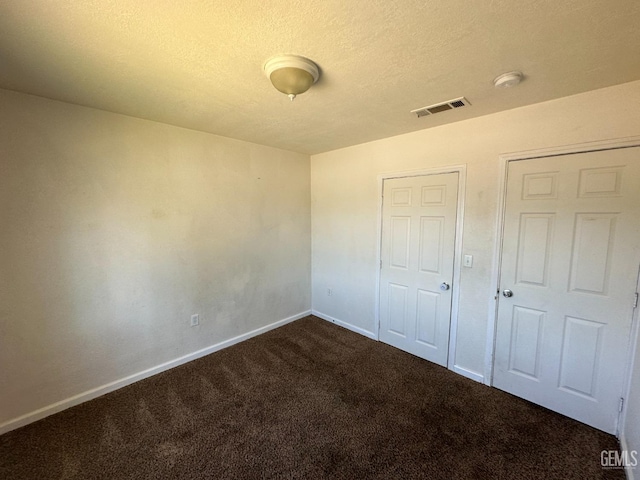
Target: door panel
x: 580, y: 357
x: 536, y: 232
x: 526, y: 330
x: 400, y: 230
x: 397, y: 309
x: 592, y: 243
x: 570, y: 254
x: 418, y: 237
x: 427, y: 328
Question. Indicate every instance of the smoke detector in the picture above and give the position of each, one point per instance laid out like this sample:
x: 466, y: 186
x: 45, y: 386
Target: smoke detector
x: 508, y: 80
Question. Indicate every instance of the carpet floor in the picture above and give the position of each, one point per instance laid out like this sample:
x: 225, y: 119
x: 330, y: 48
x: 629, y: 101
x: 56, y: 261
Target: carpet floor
x: 307, y: 400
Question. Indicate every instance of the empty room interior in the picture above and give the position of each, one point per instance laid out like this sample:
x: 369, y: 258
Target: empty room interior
x: 346, y: 239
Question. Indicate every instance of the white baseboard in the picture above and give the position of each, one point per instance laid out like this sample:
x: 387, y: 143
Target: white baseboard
x: 123, y: 382
x: 624, y: 447
x: 459, y: 370
x: 468, y: 373
x: 346, y: 325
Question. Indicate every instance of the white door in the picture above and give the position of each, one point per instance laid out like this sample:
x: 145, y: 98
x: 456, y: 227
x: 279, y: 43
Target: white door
x: 418, y: 237
x: 570, y: 256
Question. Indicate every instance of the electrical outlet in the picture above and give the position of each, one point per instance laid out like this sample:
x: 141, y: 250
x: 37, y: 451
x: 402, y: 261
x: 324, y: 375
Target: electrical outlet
x: 195, y: 320
x: 329, y: 292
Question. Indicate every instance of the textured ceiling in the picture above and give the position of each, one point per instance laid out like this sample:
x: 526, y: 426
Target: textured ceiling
x: 198, y: 63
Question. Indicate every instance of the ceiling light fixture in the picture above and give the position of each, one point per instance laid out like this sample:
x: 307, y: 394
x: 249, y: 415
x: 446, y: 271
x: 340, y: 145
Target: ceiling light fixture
x: 291, y: 74
x: 508, y: 80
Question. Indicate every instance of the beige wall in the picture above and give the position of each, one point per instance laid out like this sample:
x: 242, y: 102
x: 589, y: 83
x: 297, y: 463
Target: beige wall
x: 114, y: 230
x: 344, y: 200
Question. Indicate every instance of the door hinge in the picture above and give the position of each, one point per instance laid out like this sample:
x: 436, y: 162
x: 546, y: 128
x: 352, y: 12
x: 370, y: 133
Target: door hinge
x: 380, y: 264
x: 635, y: 301
x: 620, y: 405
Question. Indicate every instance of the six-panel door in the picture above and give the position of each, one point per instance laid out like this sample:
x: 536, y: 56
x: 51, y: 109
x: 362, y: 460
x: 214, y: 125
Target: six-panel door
x: 570, y: 255
x: 418, y: 237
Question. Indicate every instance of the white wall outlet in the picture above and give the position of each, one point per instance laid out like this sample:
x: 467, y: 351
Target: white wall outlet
x: 468, y: 261
x: 329, y: 291
x: 195, y: 320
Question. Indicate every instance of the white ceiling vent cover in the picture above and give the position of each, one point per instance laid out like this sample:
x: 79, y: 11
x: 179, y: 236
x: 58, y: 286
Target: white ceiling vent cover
x: 441, y: 107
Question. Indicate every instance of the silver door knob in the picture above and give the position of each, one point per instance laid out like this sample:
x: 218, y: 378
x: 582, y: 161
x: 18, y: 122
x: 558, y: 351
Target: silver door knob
x: 507, y: 293
x: 444, y: 286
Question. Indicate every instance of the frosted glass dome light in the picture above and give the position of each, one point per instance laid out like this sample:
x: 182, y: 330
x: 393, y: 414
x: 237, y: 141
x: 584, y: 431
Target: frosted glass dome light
x: 291, y: 74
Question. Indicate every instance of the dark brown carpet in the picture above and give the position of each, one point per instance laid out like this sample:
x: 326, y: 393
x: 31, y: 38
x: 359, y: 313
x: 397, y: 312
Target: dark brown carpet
x: 308, y: 400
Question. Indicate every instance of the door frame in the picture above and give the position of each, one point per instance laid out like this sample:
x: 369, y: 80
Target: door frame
x: 461, y: 170
x: 504, y: 159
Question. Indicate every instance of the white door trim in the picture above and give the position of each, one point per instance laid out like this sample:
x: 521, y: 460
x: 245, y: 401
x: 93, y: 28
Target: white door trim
x: 457, y: 264
x: 504, y: 159
x: 634, y: 338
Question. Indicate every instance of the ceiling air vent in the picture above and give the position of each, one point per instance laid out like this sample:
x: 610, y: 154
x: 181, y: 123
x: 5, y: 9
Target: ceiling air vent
x: 441, y: 107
